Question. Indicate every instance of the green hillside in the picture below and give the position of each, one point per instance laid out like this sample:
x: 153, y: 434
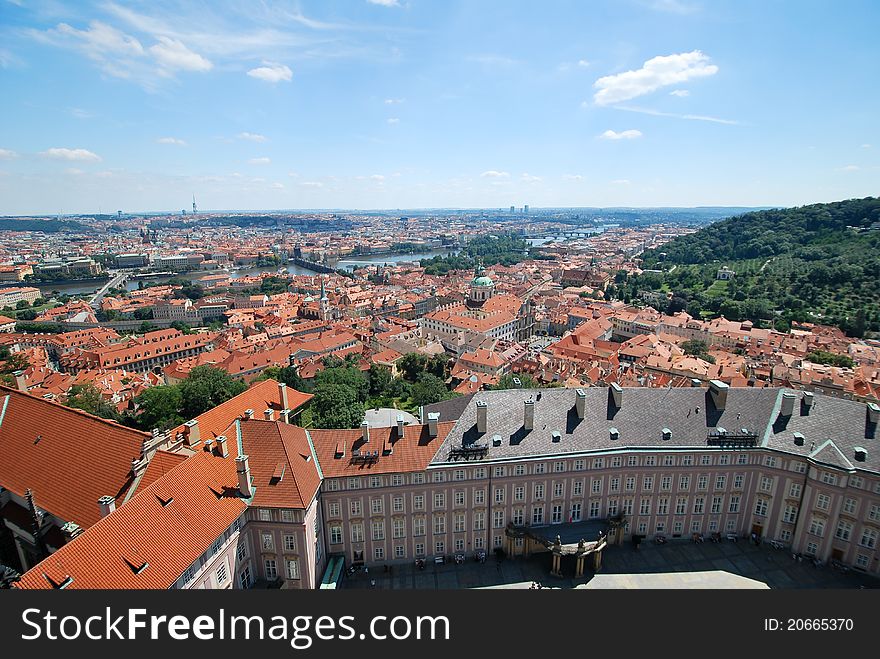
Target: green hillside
x: 818, y: 263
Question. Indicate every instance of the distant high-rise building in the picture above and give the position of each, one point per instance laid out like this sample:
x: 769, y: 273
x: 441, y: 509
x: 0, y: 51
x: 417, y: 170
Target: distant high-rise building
x: 194, y: 204
x: 513, y: 209
x: 526, y: 208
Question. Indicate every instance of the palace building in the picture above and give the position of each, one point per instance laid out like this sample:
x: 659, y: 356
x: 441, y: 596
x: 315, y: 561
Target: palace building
x: 562, y: 471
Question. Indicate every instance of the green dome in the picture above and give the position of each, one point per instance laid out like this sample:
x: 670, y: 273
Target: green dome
x: 481, y: 281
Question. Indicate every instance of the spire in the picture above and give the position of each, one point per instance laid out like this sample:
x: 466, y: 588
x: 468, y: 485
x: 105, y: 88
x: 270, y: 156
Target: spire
x: 323, y: 291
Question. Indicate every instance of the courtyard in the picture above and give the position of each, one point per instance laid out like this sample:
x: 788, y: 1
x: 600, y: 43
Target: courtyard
x: 701, y: 565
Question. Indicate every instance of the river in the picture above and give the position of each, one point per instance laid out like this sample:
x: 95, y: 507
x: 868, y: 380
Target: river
x: 86, y: 288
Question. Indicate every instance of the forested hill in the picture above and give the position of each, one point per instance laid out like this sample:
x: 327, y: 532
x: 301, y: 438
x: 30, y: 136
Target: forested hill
x: 796, y: 231
x: 818, y: 263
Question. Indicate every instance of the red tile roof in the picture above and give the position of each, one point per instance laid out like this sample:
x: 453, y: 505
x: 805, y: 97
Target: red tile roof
x: 167, y: 538
x: 68, y: 458
x: 282, y: 464
x: 412, y: 453
x: 261, y: 396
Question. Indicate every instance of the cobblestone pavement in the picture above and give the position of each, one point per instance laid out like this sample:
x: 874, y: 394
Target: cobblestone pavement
x: 772, y: 567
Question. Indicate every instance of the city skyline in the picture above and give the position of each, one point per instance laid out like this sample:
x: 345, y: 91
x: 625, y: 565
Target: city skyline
x: 385, y: 104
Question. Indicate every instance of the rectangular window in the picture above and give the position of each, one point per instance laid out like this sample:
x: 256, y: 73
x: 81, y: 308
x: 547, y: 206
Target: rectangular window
x: 716, y: 505
x: 286, y: 515
x: 539, y: 491
x: 844, y: 530
x: 665, y: 483
x: 612, y: 507
x: 874, y: 513
x: 378, y: 529
x: 699, y: 502
x: 687, y: 460
x: 419, y: 526
x: 558, y: 467
x: 616, y: 461
x: 519, y: 470
x: 862, y: 561
x: 354, y: 483
x: 705, y: 459
x: 594, y: 510
x: 539, y: 468
x: 817, y: 526
x: 702, y: 482
x: 244, y: 578
x: 720, y: 482
x: 857, y: 482
x: 650, y: 460
x: 498, y: 519
x: 668, y: 460
x: 684, y: 483
x: 398, y: 526
x: 333, y: 509
x: 869, y: 538
x: 614, y: 486
x: 438, y: 477
x: 742, y: 459
x: 418, y: 502
x: 479, y: 472
x: 681, y: 505
x: 632, y: 461
x: 268, y: 541
x: 599, y: 463
x: 420, y: 549
x: 645, y: 506
x: 794, y: 491
x: 333, y: 485
x: 766, y: 483
x: 458, y: 498
x: 630, y: 484
x: 399, y: 552
x: 558, y: 490
x: 578, y: 488
x: 376, y: 506
x: 440, y: 547
x: 357, y: 532
x: 271, y: 570
x: 724, y: 459
x: 396, y: 480
x: 595, y: 486
x: 770, y: 461
x: 556, y: 514
x: 222, y: 575
x: 459, y: 523
x: 738, y: 481
x: 439, y: 500
x: 849, y: 506
x: 662, y: 506
x: 823, y: 501
x: 499, y: 472
x: 579, y: 464
x: 265, y: 515
x: 648, y: 483
x: 575, y: 512
x: 761, y: 507
x: 812, y: 548
x: 828, y: 478
x: 397, y: 504
x: 518, y: 516
x: 628, y: 506
x: 458, y: 475
x: 519, y: 493
x: 537, y: 516
x: 734, y: 504
x: 335, y: 535
x: 289, y: 543
x: 479, y: 497
x: 789, y: 515
x: 418, y: 479
x: 292, y: 569
x: 499, y: 495
x: 355, y: 508
x: 241, y: 551
x: 375, y: 481
x: 479, y: 520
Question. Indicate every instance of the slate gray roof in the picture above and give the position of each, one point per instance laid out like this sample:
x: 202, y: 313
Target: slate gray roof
x: 689, y: 413
x: 450, y: 410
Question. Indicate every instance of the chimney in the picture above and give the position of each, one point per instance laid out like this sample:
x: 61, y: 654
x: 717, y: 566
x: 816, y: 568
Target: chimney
x: 718, y: 390
x: 695, y: 382
x: 282, y: 395
x: 269, y: 415
x: 860, y: 454
x: 244, y: 476
x: 248, y: 414
x: 400, y: 426
x: 209, y: 445
x: 529, y: 414
x: 482, y: 415
x: 365, y: 430
x: 284, y: 415
x: 808, y: 399
x: 580, y: 403
x: 787, y: 408
x: 193, y: 434
x: 617, y: 394
x: 556, y: 436
x: 873, y: 413
x: 433, y: 418
x: 222, y: 449
x: 20, y: 382
x: 107, y: 504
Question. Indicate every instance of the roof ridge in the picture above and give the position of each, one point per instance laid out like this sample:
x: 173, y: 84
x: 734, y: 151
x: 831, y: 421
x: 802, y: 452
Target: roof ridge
x: 76, y: 410
x: 287, y: 457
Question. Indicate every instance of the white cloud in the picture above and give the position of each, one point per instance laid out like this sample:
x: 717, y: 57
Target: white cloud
x: 385, y: 3
x: 100, y: 38
x: 393, y: 120
x: 377, y: 177
x: 272, y: 72
x: 681, y: 93
x: 61, y: 153
x: 528, y: 178
x: 674, y: 6
x: 691, y: 117
x: 850, y: 168
x: 655, y: 73
x: 73, y: 171
x: 171, y: 140
x: 311, y: 184
x: 79, y: 113
x: 494, y: 174
x: 277, y: 186
x: 7, y: 154
x: 253, y: 137
x: 572, y: 177
x: 394, y: 101
x: 621, y: 181
x: 174, y: 55
x: 622, y: 135
x: 583, y: 63
x: 259, y: 161
x: 866, y: 146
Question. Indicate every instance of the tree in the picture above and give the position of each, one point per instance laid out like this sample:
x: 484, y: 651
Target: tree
x: 336, y: 406
x: 16, y: 361
x: 438, y: 365
x: 428, y: 389
x: 144, y: 313
x: 26, y: 314
x: 159, y: 407
x: 181, y: 326
x: 345, y: 376
x: 146, y: 327
x: 87, y: 397
x: 399, y: 388
x: 205, y: 388
x: 380, y: 379
x: 22, y: 304
x: 526, y: 382
x: 411, y: 364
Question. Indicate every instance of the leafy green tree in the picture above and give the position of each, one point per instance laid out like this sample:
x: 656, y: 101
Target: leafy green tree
x: 345, y: 376
x: 22, y: 304
x: 205, y: 388
x: 830, y: 359
x: 159, y: 407
x: 146, y: 327
x: 399, y: 388
x: 336, y: 406
x: 181, y: 326
x: 428, y: 389
x: 411, y: 364
x: 87, y: 397
x: 380, y: 379
x: 144, y: 313
x: 506, y: 381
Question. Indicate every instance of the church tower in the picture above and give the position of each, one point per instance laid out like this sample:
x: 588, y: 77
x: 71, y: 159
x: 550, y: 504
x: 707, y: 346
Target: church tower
x: 482, y: 288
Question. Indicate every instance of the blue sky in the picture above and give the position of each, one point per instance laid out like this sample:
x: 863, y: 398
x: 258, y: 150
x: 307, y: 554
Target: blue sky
x: 420, y: 103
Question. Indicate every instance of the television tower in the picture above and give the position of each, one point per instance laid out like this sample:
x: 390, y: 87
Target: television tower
x: 194, y: 204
